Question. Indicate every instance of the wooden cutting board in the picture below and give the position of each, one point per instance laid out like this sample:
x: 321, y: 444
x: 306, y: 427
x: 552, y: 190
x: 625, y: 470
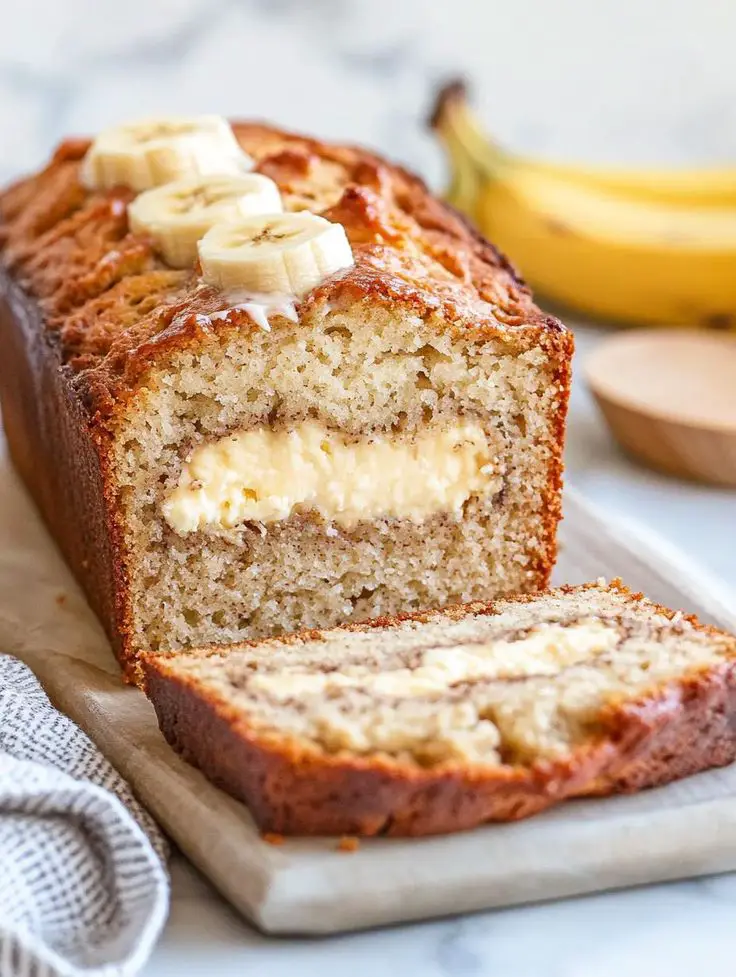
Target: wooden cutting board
x: 308, y: 885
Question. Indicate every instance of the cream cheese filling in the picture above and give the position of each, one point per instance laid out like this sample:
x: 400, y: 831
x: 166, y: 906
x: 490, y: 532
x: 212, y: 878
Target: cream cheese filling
x: 545, y: 651
x: 263, y: 475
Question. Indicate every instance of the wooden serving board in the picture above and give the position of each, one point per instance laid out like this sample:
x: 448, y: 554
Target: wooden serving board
x: 309, y: 886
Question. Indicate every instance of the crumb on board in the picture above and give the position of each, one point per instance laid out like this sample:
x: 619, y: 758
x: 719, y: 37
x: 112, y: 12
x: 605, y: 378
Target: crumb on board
x: 271, y: 838
x: 348, y: 844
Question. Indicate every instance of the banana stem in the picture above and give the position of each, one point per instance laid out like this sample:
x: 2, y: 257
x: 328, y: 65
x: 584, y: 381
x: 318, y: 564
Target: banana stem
x: 473, y: 159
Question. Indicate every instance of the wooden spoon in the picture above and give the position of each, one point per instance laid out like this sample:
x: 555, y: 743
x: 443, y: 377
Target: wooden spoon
x: 669, y: 398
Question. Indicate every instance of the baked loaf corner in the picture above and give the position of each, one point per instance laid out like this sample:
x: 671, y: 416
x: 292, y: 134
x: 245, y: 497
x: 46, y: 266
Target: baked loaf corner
x: 440, y: 721
x: 121, y: 374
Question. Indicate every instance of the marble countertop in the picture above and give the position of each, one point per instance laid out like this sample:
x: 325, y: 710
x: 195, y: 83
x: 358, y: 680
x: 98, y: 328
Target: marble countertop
x: 616, y: 80
x: 671, y: 930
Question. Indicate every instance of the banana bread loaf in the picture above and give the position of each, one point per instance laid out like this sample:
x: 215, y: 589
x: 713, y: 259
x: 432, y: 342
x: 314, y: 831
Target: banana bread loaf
x: 258, y: 383
x: 433, y: 722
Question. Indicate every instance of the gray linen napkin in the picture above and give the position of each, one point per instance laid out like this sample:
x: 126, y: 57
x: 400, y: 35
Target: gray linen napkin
x: 83, y: 887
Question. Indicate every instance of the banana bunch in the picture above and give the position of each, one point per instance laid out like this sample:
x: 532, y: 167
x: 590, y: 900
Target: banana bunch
x: 196, y: 200
x: 635, y: 246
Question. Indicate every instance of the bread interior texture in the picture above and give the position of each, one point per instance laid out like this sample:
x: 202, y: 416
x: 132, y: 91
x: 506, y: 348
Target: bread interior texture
x: 362, y: 372
x: 528, y: 684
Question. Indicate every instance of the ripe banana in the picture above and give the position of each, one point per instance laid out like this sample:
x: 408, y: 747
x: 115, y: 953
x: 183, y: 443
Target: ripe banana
x: 176, y: 215
x: 149, y: 153
x: 284, y: 254
x: 633, y: 246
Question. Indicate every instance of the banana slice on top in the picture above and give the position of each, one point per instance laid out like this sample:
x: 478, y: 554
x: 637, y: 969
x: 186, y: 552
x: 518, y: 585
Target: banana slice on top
x: 289, y: 254
x: 155, y: 151
x: 178, y: 214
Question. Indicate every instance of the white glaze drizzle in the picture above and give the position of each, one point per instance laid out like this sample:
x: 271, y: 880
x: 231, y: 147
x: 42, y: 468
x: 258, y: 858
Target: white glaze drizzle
x: 260, y: 307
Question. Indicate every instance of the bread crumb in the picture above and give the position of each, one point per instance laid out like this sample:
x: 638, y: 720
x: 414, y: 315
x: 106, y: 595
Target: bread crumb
x: 61, y: 599
x: 271, y: 838
x: 348, y: 844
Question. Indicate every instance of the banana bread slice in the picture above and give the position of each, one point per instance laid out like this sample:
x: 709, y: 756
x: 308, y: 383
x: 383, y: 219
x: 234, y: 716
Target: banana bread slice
x: 217, y: 467
x: 433, y: 722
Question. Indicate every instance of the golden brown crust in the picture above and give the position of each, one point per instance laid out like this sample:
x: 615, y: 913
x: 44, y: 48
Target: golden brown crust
x: 689, y: 728
x: 59, y: 457
x: 68, y: 248
x: 293, y: 791
x: 290, y: 788
x: 90, y: 311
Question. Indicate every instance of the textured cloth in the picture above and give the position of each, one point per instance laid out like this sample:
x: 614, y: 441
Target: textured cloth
x: 83, y: 888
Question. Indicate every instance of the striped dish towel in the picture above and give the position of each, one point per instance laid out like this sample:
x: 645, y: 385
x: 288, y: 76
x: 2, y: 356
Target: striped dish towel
x: 83, y: 887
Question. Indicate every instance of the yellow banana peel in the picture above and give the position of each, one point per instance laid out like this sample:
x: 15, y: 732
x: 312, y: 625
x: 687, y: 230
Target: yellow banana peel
x: 637, y: 246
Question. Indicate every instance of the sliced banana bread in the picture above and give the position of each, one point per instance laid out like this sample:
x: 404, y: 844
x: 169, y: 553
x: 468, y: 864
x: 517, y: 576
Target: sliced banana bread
x: 252, y: 402
x: 438, y: 721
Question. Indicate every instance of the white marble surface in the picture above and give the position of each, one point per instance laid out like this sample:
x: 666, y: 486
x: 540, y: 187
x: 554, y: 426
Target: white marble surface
x: 616, y: 80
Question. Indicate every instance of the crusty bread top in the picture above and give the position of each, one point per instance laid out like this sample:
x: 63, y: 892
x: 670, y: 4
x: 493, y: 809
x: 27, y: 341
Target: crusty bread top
x: 117, y: 310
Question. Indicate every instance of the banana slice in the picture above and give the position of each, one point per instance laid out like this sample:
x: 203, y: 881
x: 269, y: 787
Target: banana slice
x: 178, y: 214
x: 155, y: 151
x: 285, y: 253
